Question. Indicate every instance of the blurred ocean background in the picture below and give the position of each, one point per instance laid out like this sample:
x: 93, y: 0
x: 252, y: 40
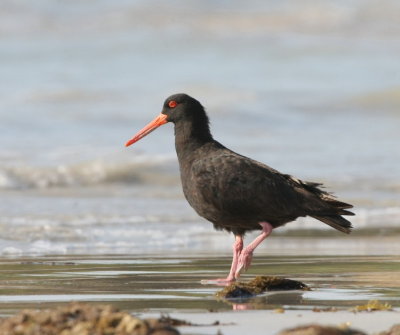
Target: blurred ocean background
x: 311, y: 88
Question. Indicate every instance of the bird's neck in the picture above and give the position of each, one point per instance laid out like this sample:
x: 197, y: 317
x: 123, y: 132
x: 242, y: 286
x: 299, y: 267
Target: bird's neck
x: 189, y: 137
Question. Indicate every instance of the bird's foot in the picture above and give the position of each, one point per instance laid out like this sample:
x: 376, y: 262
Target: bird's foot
x: 218, y: 281
x: 244, y: 262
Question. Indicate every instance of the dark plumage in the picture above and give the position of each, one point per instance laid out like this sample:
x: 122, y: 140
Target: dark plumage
x: 232, y: 191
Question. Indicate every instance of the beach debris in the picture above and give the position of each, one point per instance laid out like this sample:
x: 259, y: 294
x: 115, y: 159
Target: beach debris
x: 259, y: 285
x: 314, y: 329
x: 83, y: 319
x: 166, y: 320
x: 279, y: 310
x: 326, y: 309
x: 395, y: 330
x: 373, y: 305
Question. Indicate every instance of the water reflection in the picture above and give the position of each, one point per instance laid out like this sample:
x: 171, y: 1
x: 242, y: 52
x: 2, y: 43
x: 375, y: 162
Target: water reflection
x: 268, y: 301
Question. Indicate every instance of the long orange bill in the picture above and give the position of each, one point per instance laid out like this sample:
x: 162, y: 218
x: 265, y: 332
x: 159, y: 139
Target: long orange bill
x: 158, y: 121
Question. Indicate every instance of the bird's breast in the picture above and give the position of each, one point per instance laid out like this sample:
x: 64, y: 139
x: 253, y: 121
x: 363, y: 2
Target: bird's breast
x: 197, y: 186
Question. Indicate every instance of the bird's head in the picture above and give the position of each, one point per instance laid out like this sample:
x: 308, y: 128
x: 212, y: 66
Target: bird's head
x: 177, y: 108
x: 181, y: 106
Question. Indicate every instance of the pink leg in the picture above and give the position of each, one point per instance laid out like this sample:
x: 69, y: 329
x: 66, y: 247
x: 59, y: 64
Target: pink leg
x: 237, y: 249
x: 247, y: 253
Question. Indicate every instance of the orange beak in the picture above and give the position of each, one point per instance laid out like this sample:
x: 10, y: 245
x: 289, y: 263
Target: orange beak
x: 158, y: 121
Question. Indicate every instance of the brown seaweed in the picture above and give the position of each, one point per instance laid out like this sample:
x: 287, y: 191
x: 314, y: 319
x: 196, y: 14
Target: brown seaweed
x: 320, y: 330
x: 259, y: 285
x: 83, y: 319
x: 373, y: 305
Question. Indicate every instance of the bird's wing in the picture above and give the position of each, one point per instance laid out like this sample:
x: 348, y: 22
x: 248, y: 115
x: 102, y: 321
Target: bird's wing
x: 239, y: 185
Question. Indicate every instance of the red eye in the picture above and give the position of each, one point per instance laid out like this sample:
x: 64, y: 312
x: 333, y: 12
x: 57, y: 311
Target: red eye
x: 172, y: 104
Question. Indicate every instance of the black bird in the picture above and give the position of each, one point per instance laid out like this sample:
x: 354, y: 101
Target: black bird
x: 234, y: 192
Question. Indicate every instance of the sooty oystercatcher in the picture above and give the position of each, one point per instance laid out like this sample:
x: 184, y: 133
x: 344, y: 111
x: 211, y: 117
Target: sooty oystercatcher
x: 234, y: 192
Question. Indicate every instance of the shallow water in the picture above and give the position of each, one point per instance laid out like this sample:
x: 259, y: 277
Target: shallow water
x: 156, y: 284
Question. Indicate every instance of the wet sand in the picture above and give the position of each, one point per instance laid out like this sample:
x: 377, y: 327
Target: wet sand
x: 152, y: 285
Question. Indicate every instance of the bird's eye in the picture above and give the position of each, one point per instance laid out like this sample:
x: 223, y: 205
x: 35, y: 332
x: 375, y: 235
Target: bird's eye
x: 172, y: 104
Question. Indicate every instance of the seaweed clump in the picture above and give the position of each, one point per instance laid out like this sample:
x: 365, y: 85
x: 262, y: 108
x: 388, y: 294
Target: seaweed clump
x: 259, y: 285
x: 320, y: 330
x: 372, y: 306
x: 395, y: 330
x: 82, y: 319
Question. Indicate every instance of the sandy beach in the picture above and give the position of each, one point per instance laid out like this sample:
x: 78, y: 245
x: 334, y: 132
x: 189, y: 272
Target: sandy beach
x: 270, y: 322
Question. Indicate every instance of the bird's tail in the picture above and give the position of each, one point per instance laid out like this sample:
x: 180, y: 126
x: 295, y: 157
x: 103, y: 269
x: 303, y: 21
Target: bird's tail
x: 334, y: 218
x: 330, y: 210
x: 337, y: 208
x: 336, y: 221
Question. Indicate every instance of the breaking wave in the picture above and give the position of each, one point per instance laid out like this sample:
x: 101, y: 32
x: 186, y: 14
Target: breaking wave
x: 162, y: 170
